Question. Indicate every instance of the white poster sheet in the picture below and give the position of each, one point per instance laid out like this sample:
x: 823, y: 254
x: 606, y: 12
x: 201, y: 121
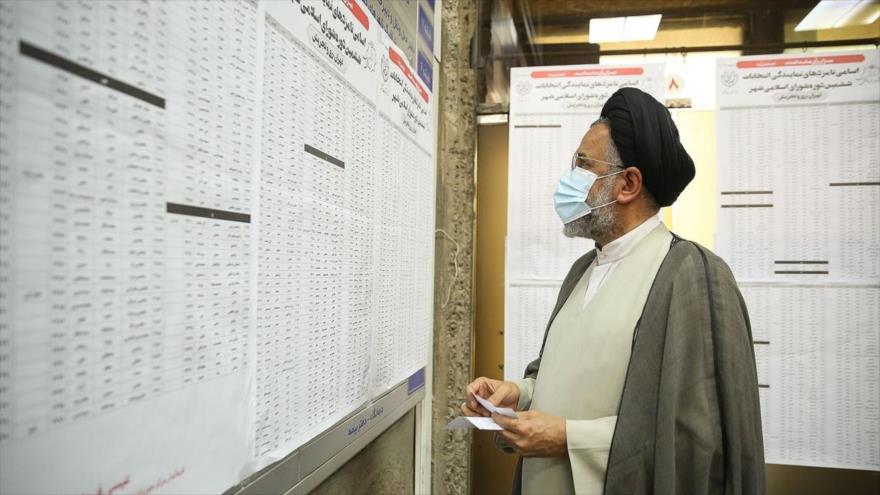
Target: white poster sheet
x: 216, y: 238
x: 799, y: 205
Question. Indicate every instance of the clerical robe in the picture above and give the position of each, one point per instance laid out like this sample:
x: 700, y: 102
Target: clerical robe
x: 688, y: 418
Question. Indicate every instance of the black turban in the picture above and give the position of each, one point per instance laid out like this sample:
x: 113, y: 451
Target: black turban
x: 646, y: 138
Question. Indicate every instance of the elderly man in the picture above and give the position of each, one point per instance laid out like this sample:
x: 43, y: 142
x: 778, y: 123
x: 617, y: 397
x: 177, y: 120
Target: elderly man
x: 646, y: 379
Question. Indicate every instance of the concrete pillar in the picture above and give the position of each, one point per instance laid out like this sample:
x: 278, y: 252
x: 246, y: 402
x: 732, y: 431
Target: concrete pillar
x: 453, y: 308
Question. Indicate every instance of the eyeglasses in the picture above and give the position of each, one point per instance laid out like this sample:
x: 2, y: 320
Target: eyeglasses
x: 579, y: 160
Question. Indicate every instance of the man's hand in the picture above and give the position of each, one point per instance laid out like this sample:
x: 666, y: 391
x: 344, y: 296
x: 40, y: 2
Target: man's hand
x: 499, y: 393
x: 534, y: 433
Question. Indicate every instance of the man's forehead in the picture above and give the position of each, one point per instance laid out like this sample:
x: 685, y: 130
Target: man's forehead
x: 594, y: 142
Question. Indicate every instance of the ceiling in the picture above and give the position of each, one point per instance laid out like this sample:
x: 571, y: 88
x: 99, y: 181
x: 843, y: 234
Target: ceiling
x: 569, y: 12
x: 515, y: 33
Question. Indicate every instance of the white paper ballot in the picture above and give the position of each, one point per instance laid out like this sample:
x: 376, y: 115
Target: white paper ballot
x: 480, y: 423
x: 504, y: 411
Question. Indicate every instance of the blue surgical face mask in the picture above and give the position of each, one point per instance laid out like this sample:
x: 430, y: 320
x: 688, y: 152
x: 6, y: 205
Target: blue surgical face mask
x: 571, y: 194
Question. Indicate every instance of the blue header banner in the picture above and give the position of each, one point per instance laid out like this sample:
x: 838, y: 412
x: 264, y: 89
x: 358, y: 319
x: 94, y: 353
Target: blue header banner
x: 415, y: 382
x: 426, y: 28
x: 425, y: 70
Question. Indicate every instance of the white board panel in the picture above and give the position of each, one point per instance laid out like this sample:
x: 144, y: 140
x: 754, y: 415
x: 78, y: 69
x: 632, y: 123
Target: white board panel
x: 127, y: 152
x: 216, y: 238
x: 799, y: 205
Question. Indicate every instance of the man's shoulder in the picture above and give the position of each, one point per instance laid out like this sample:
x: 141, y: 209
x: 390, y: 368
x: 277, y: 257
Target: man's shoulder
x: 688, y: 258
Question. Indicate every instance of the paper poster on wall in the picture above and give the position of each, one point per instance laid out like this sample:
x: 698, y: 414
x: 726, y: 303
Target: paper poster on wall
x: 404, y: 246
x: 551, y: 109
x: 346, y: 233
x: 318, y: 153
x: 799, y: 205
x: 216, y: 239
x: 125, y: 241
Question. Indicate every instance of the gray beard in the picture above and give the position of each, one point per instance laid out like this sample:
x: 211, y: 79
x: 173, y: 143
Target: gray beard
x: 600, y: 223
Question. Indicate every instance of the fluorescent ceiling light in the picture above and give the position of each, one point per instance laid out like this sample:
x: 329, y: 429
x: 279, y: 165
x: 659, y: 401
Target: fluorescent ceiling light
x: 609, y: 29
x: 863, y: 14
x: 830, y: 14
x: 641, y: 27
x: 631, y: 28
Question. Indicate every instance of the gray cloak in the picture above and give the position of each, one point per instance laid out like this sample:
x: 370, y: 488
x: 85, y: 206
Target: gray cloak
x: 689, y: 419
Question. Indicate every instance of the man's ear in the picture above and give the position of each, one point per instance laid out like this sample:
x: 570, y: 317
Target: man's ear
x: 631, y: 185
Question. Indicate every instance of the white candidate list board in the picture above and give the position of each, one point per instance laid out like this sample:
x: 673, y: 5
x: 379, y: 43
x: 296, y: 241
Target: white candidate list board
x: 551, y: 109
x: 798, y: 216
x: 216, y: 229
x: 346, y: 236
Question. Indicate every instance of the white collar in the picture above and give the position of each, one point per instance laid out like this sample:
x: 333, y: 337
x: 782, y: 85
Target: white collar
x: 621, y: 247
